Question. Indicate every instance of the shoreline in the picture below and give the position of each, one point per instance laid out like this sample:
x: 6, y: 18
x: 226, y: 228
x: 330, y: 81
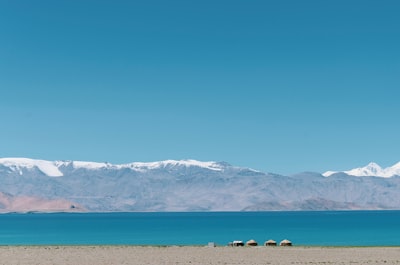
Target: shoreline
x: 196, y: 255
x: 194, y: 246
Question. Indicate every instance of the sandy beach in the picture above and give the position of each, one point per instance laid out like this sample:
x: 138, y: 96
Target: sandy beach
x: 99, y: 255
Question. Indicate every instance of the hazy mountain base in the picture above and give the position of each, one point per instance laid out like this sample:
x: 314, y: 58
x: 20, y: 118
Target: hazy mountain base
x: 306, y: 205
x: 9, y: 203
x: 192, y: 188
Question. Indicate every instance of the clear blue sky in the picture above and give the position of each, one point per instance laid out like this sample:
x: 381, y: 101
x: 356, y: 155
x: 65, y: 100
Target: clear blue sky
x: 279, y: 86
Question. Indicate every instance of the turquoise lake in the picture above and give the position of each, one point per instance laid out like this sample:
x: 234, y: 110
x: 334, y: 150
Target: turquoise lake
x: 326, y: 228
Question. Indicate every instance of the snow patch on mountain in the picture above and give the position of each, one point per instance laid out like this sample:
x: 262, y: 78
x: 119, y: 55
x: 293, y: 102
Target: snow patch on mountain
x: 175, y: 163
x: 370, y: 170
x: 89, y: 165
x: 54, y: 168
x: 46, y: 167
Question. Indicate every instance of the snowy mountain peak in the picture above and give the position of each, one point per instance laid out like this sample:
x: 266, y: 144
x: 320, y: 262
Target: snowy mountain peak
x: 18, y: 164
x: 177, y: 163
x: 89, y: 165
x: 370, y: 170
x: 55, y: 168
x: 373, y: 165
x: 396, y: 167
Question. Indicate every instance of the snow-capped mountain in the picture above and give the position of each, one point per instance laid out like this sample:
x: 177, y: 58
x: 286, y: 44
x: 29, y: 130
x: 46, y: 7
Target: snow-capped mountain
x: 370, y: 170
x: 185, y: 185
x: 19, y: 164
x: 54, y: 168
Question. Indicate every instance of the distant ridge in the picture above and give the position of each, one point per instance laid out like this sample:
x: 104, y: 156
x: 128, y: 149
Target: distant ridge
x: 188, y: 185
x: 370, y: 170
x: 52, y: 168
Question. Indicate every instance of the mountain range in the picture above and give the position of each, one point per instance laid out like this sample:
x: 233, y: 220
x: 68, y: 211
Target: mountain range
x: 28, y: 185
x: 370, y: 170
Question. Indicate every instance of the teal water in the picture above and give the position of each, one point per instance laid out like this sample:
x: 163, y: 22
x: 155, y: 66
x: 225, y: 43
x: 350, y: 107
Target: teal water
x: 329, y: 228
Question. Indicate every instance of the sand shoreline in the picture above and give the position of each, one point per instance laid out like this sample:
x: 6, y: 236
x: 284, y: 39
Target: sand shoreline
x: 196, y: 255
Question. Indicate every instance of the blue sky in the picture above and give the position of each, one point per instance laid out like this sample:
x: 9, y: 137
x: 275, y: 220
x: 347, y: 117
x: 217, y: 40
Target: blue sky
x: 279, y: 86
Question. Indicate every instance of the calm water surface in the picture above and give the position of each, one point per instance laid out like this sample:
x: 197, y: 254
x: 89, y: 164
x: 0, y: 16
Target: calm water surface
x: 334, y: 228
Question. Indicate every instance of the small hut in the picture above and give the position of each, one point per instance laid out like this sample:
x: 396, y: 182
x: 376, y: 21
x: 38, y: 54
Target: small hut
x: 285, y: 243
x: 251, y: 243
x: 270, y: 243
x: 237, y: 243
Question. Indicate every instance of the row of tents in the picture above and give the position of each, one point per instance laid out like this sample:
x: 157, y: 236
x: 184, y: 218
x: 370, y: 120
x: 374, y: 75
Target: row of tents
x: 252, y: 243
